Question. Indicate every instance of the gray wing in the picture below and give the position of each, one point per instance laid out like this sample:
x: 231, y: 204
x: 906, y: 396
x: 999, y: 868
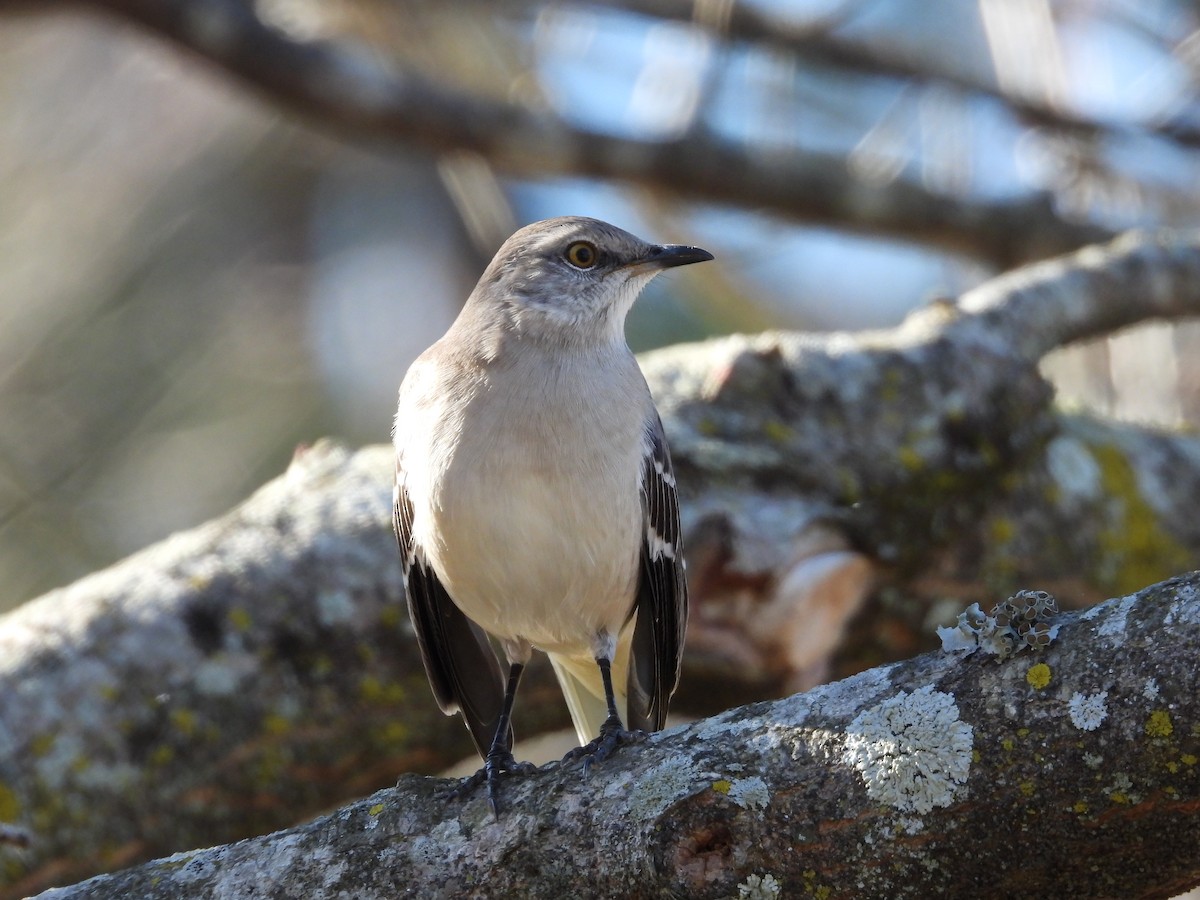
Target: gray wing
x: 462, y: 669
x: 662, y: 603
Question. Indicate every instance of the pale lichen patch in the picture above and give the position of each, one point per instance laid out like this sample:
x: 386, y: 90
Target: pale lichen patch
x: 1114, y: 625
x: 759, y: 887
x: 1087, y: 711
x: 1073, y: 468
x: 654, y: 790
x: 912, y: 750
x: 1185, y: 610
x: 750, y: 793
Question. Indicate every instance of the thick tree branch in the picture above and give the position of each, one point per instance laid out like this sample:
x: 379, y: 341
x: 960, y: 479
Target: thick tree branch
x: 260, y: 668
x: 1075, y: 769
x: 342, y: 84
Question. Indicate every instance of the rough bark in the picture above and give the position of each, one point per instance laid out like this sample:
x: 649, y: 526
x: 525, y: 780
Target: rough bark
x: 1066, y: 773
x: 345, y: 85
x: 244, y: 675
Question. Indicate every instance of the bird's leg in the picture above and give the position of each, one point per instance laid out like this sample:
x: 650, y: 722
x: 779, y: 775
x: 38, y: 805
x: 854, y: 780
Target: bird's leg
x: 499, y: 759
x: 612, y: 732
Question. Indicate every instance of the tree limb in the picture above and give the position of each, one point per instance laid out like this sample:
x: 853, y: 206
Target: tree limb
x: 1077, y: 777
x: 816, y: 39
x: 260, y: 668
x: 342, y: 84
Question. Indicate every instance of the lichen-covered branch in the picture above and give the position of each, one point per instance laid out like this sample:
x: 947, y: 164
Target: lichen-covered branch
x: 1072, y: 772
x: 905, y: 440
x: 239, y: 677
x: 346, y: 86
x: 219, y: 684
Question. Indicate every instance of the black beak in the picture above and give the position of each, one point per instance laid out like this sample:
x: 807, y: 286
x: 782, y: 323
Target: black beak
x: 671, y: 255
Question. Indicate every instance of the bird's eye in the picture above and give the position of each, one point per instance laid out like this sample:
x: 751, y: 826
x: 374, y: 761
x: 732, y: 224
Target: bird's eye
x: 582, y: 255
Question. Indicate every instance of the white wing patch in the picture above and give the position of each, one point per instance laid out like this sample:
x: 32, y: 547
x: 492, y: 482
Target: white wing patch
x: 657, y: 546
x: 667, y: 476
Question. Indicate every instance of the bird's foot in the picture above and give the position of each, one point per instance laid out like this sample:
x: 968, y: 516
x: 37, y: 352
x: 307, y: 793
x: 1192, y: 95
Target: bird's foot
x: 613, y: 735
x: 497, y: 764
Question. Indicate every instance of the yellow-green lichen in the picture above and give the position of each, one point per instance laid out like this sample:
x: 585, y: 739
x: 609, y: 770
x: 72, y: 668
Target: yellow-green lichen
x: 911, y: 459
x: 276, y: 724
x: 1027, y: 788
x: 820, y: 891
x: 271, y: 764
x: 393, y: 733
x: 1081, y: 807
x: 1159, y: 724
x: 1022, y: 733
x: 1002, y: 530
x: 240, y: 619
x: 184, y: 721
x: 1137, y: 551
x: 10, y: 806
x: 722, y: 786
x: 372, y: 690
x: 1038, y: 676
x: 777, y: 431
x: 375, y: 810
x: 1188, y: 759
x: 1119, y: 797
x: 13, y: 869
x: 41, y: 745
x: 1008, y: 744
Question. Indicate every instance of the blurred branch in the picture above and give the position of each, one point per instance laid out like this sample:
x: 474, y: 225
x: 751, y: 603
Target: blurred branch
x: 253, y: 671
x: 817, y: 41
x: 344, y: 85
x: 863, y: 788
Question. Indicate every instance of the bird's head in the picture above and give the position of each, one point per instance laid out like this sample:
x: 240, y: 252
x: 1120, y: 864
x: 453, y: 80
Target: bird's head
x: 574, y: 278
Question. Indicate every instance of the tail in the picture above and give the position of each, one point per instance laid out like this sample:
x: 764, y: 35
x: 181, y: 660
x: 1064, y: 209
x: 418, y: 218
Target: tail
x: 579, y: 678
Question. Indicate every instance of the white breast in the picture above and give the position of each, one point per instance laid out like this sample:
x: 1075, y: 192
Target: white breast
x: 534, y: 523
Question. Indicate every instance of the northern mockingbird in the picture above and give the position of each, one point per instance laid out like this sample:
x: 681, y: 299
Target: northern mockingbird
x: 534, y: 497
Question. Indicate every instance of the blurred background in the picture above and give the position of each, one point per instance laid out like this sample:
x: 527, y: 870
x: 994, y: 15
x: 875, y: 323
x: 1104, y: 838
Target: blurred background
x: 194, y: 279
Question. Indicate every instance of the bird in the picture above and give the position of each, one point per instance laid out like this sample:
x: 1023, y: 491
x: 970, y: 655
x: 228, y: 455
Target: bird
x: 535, y: 504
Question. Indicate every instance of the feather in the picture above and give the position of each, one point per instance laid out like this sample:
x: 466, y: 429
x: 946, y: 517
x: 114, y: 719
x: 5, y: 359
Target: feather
x: 662, y: 602
x: 462, y: 669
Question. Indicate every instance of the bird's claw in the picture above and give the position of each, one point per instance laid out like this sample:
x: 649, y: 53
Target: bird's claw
x: 497, y: 764
x: 612, y: 736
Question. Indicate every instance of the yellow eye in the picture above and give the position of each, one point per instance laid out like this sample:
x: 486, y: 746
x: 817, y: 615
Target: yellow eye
x: 582, y: 255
